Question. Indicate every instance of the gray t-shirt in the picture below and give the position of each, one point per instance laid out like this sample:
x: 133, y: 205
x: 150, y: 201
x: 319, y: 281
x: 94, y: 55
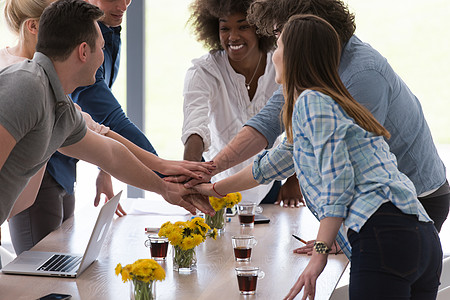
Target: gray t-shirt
x: 40, y: 117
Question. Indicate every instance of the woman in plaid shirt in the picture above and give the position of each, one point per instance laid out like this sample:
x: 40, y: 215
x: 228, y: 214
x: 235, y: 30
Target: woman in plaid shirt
x: 348, y: 176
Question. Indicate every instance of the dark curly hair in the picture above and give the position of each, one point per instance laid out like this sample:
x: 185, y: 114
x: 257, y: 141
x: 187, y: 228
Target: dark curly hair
x: 205, y: 16
x: 265, y: 14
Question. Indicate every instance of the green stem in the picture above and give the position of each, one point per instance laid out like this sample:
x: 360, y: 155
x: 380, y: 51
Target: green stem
x: 216, y: 221
x: 143, y: 290
x: 183, y: 258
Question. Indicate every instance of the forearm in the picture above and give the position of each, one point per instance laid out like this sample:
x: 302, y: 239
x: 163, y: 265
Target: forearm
x: 126, y: 167
x: 328, y: 230
x: 243, y: 180
x: 247, y: 143
x: 115, y: 159
x: 147, y: 158
x: 193, y: 148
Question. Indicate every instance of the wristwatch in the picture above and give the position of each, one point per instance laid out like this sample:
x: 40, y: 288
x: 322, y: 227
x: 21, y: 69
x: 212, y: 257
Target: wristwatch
x: 321, y: 247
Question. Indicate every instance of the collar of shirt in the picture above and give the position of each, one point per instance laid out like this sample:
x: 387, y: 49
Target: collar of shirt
x: 46, y: 63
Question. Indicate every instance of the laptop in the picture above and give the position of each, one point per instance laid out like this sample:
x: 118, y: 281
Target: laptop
x: 66, y: 264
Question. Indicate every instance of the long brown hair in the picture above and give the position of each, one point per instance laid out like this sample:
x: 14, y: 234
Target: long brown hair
x: 311, y: 55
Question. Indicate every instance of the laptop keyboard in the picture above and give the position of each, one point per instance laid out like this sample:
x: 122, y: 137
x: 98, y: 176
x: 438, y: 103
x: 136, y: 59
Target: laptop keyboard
x: 60, y: 263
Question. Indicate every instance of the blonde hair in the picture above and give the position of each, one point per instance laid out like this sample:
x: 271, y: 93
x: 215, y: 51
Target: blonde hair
x: 17, y: 12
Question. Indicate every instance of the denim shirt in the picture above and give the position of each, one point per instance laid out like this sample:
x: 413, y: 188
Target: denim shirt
x: 99, y: 101
x: 344, y: 171
x: 372, y: 82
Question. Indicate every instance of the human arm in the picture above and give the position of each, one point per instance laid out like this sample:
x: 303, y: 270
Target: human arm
x: 242, y: 180
x: 100, y: 103
x: 290, y: 194
x: 258, y: 133
x: 328, y: 230
x: 103, y: 182
x: 104, y: 186
x: 274, y: 164
x: 167, y: 167
x: 247, y: 143
x: 104, y: 152
x: 193, y: 148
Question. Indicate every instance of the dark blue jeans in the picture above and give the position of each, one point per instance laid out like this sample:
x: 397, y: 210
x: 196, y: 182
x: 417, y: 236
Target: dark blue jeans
x: 394, y: 256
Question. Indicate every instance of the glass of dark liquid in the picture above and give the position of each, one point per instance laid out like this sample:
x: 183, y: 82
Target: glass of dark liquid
x: 243, y: 245
x: 247, y: 212
x: 158, y: 246
x: 247, y: 278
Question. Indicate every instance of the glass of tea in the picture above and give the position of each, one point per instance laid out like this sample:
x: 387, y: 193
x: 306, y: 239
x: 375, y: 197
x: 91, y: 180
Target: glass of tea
x: 247, y: 278
x: 247, y: 212
x: 158, y: 246
x: 242, y: 246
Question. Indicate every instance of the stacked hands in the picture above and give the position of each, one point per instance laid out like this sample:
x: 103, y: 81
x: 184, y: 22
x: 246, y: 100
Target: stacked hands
x: 200, y: 188
x: 172, y: 188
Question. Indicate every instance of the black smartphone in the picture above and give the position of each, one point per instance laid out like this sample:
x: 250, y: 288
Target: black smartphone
x: 55, y: 296
x: 261, y: 219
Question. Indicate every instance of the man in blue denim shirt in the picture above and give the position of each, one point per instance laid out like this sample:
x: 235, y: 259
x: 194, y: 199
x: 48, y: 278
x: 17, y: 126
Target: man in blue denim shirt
x: 372, y: 82
x: 55, y: 201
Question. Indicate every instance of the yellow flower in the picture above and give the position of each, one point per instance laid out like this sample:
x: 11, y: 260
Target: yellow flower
x: 160, y: 274
x: 214, y: 234
x: 228, y: 201
x: 198, y: 239
x: 188, y: 243
x: 143, y: 269
x: 239, y: 197
x: 175, y: 237
x: 125, y: 275
x: 118, y: 269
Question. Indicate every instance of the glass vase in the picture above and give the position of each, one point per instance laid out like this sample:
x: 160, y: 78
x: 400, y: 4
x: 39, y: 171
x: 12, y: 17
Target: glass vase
x: 184, y: 261
x: 141, y: 290
x: 217, y: 221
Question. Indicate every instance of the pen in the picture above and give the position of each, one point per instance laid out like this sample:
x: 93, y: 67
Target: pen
x: 300, y: 239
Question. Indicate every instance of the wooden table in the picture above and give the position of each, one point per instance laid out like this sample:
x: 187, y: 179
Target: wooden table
x: 215, y: 276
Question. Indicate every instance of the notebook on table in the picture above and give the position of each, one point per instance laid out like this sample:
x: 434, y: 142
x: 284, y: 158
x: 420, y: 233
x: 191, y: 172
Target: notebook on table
x: 66, y: 264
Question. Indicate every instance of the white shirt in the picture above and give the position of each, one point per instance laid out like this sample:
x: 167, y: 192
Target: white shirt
x: 7, y: 59
x: 217, y: 105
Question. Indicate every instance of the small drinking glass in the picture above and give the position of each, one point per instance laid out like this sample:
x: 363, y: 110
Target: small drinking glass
x: 158, y: 246
x: 247, y: 212
x: 247, y: 278
x: 243, y: 245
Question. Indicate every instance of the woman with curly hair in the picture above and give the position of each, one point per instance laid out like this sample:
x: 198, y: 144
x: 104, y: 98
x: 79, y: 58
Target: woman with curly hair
x: 227, y: 86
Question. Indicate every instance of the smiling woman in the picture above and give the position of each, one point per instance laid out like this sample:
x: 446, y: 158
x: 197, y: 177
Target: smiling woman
x: 227, y: 86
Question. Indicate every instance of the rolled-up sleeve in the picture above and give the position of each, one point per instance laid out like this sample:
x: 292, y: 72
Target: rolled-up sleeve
x: 275, y: 164
x: 197, y: 94
x: 327, y: 133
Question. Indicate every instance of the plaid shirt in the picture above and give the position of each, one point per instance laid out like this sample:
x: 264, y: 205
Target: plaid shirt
x: 344, y: 171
